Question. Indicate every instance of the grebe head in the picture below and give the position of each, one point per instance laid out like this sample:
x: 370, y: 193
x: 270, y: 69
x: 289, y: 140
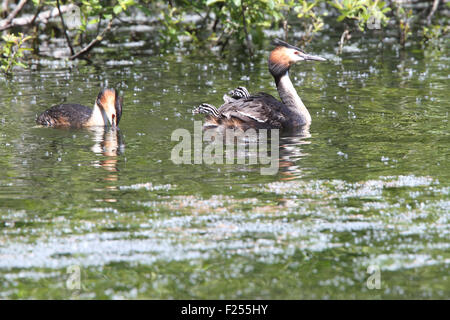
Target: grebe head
x: 285, y: 55
x: 110, y: 103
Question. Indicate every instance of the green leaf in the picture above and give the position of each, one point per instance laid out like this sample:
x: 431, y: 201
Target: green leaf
x: 117, y: 9
x: 144, y: 10
x: 20, y: 64
x: 210, y: 2
x: 94, y: 21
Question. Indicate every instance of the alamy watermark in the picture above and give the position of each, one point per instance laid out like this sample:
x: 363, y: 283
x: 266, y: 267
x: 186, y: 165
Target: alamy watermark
x: 72, y: 17
x: 374, y: 280
x: 374, y: 23
x: 73, y: 282
x: 252, y: 147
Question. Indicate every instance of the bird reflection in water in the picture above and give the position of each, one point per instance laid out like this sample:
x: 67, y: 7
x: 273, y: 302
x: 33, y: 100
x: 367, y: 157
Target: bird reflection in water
x: 291, y: 153
x: 108, y: 143
x: 284, y: 153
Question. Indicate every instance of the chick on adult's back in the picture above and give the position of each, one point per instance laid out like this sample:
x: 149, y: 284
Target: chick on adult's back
x: 107, y: 111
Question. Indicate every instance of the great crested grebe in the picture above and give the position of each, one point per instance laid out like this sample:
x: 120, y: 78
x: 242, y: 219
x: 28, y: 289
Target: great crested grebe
x: 261, y: 110
x: 107, y: 111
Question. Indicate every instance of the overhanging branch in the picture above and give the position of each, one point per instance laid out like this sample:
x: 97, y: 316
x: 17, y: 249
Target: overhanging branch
x: 94, y: 42
x: 6, y: 23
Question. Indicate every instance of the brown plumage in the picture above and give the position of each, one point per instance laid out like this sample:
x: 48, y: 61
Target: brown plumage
x: 252, y: 112
x: 280, y: 56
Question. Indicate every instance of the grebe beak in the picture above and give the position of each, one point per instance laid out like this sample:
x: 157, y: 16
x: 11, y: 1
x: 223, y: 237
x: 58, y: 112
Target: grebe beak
x: 310, y: 57
x: 118, y: 107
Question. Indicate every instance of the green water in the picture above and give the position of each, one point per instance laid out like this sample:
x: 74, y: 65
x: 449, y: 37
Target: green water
x: 368, y: 187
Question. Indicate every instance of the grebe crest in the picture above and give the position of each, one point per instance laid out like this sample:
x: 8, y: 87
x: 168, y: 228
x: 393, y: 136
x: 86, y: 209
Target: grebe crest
x: 285, y: 55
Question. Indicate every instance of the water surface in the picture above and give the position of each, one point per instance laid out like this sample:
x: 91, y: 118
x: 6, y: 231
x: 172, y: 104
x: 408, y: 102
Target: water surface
x: 368, y: 187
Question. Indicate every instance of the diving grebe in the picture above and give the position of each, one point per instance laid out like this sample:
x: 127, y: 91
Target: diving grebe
x: 263, y: 111
x: 107, y: 111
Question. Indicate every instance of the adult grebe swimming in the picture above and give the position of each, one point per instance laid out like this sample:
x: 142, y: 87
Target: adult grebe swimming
x: 107, y: 111
x: 262, y: 111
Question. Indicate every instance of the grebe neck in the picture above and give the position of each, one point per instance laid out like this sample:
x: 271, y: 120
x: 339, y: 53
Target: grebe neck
x: 291, y: 99
x: 98, y: 117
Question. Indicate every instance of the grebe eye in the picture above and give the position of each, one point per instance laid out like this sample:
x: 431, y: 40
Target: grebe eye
x: 297, y: 53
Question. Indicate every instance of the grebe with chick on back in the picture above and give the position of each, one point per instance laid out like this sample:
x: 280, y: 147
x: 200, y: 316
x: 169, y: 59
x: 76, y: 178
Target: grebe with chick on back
x: 107, y: 111
x: 242, y: 110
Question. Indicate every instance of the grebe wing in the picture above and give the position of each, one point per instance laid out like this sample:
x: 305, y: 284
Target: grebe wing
x: 65, y: 115
x: 228, y: 99
x: 261, y: 108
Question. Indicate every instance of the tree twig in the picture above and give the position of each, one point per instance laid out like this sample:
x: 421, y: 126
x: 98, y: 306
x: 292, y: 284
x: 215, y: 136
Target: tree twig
x: 5, y: 5
x: 285, y: 28
x: 7, y: 22
x: 94, y: 42
x: 216, y: 21
x: 225, y: 42
x: 205, y: 19
x: 99, y: 23
x: 433, y: 10
x: 247, y: 38
x: 36, y: 14
x: 344, y: 37
x: 41, y: 17
x: 69, y: 43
